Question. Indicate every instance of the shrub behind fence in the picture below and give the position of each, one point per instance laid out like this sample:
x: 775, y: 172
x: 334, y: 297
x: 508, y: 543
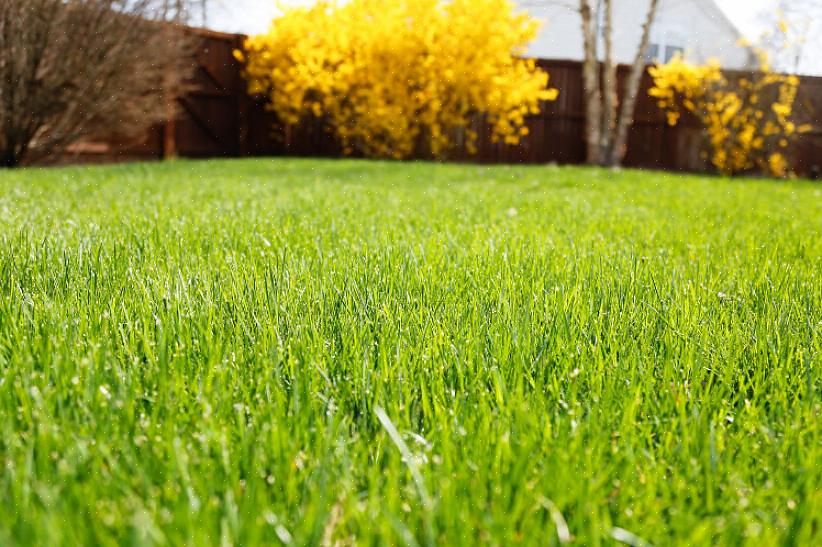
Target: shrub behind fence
x: 216, y: 118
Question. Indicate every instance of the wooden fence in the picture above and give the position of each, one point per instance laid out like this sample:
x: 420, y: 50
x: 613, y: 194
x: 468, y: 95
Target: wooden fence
x: 216, y: 118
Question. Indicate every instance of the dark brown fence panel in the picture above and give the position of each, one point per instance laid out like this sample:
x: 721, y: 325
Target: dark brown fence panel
x: 210, y: 114
x: 808, y: 108
x: 216, y: 118
x: 145, y: 147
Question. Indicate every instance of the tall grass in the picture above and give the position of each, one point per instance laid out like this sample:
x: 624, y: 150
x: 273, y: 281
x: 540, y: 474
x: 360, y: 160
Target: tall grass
x: 310, y: 352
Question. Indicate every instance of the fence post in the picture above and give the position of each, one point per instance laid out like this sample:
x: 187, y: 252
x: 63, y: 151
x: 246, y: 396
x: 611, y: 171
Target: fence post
x: 170, y: 94
x: 169, y: 131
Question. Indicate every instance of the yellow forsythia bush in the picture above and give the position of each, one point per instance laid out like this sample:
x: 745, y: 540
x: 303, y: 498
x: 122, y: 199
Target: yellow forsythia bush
x: 392, y: 78
x: 748, y: 120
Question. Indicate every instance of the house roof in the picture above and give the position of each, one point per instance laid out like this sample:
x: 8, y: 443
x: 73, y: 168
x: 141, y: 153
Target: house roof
x: 712, y: 10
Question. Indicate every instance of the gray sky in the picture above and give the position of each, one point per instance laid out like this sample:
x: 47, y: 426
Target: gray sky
x: 254, y: 16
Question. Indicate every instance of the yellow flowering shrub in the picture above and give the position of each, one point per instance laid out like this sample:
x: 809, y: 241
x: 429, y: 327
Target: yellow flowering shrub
x: 396, y: 78
x: 748, y: 120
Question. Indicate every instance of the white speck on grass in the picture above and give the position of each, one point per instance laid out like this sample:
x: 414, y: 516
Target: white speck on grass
x: 629, y: 538
x: 283, y: 534
x: 563, y: 533
x: 394, y: 435
x: 388, y: 425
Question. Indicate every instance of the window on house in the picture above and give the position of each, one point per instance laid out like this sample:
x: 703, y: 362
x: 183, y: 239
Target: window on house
x: 652, y: 54
x: 667, y: 39
x: 671, y: 51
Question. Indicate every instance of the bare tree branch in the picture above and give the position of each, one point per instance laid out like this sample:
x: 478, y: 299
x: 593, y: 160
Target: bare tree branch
x: 795, y: 46
x: 606, y: 133
x: 626, y: 116
x: 82, y: 68
x: 591, y: 84
x: 609, y: 82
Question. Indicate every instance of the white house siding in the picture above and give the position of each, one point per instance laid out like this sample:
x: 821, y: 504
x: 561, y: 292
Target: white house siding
x: 696, y: 26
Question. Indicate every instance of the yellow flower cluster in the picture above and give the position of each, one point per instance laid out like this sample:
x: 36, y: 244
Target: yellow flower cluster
x: 747, y: 119
x: 397, y: 78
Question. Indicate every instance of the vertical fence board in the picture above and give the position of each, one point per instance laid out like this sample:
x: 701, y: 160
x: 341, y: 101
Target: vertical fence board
x: 216, y: 118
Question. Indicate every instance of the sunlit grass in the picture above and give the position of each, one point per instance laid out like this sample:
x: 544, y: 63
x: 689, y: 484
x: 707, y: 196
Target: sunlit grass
x: 313, y: 352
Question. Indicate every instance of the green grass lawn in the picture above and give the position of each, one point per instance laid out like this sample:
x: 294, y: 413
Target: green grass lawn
x: 342, y: 352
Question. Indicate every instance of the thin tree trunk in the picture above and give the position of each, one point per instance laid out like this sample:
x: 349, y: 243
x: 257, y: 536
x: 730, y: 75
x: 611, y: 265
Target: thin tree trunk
x: 101, y: 78
x: 609, y: 86
x: 591, y: 83
x: 626, y: 116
